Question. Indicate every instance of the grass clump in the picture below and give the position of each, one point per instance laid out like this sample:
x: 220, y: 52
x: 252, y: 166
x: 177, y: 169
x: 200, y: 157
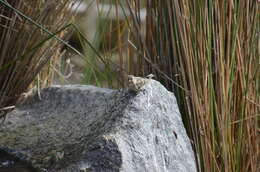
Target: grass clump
x: 207, y: 52
x: 31, y: 38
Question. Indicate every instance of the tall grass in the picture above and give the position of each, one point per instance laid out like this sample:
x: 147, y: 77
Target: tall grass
x: 31, y: 33
x: 107, y: 54
x: 206, y: 51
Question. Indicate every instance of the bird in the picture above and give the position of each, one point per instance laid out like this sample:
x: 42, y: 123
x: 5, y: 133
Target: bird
x: 150, y: 76
x: 136, y: 83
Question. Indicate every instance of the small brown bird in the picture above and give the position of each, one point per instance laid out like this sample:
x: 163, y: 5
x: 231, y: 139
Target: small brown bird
x: 136, y: 83
x: 150, y: 76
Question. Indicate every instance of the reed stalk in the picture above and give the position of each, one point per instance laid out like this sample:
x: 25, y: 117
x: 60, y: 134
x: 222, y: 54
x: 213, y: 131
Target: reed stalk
x: 32, y: 33
x: 207, y: 52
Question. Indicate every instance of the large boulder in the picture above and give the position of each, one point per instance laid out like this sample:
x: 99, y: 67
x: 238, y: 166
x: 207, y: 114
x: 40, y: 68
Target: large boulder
x: 84, y: 128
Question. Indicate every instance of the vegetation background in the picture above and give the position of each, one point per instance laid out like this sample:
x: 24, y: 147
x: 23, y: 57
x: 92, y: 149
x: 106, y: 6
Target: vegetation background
x: 205, y: 51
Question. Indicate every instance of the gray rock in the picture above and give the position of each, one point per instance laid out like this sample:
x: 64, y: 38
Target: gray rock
x: 85, y: 128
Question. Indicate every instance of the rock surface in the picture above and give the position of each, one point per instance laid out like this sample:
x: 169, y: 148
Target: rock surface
x: 84, y: 128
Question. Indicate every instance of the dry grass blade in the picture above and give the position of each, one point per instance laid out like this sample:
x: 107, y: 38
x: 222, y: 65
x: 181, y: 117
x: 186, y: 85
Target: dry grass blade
x: 211, y: 49
x: 26, y: 47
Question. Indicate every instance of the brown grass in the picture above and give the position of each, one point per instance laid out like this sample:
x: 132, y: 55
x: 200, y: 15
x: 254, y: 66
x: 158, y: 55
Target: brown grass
x: 207, y: 53
x: 27, y: 44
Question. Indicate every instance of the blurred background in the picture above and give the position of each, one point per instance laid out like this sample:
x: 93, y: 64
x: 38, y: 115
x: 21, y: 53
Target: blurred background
x: 104, y: 38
